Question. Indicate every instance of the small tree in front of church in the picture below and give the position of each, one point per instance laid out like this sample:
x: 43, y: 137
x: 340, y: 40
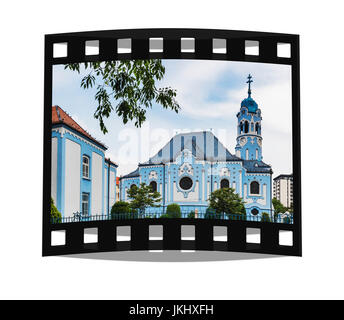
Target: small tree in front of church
x: 226, y: 201
x: 143, y: 197
x: 278, y: 207
x: 55, y: 215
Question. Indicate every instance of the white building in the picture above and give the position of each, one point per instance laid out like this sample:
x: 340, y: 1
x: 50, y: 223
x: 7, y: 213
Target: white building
x: 283, y: 189
x: 82, y: 178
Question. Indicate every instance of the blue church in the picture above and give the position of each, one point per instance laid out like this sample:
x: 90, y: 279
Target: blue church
x: 82, y: 178
x: 192, y: 165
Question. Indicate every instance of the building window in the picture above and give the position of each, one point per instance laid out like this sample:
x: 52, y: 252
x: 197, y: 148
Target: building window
x: 85, y: 204
x: 185, y: 183
x: 133, y: 186
x: 154, y: 186
x: 257, y: 127
x: 246, y: 126
x: 85, y: 167
x: 224, y: 183
x: 254, y: 211
x: 254, y: 187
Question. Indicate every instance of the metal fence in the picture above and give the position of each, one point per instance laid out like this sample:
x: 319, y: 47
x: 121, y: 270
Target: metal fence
x: 152, y: 213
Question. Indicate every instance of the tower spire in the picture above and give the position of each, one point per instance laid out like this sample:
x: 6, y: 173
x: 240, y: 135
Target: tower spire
x: 249, y: 81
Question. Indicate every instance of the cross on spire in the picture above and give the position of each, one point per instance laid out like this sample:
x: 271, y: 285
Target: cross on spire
x: 249, y: 81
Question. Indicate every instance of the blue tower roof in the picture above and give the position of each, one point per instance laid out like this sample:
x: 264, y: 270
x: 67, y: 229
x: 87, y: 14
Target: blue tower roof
x: 249, y: 103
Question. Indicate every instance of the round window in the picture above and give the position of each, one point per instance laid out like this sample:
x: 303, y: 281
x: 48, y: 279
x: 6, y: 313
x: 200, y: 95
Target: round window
x: 185, y: 183
x: 254, y: 212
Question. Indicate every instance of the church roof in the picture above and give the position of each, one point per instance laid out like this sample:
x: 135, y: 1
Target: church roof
x: 133, y: 174
x: 256, y: 166
x: 204, y: 145
x: 202, y: 152
x: 59, y: 116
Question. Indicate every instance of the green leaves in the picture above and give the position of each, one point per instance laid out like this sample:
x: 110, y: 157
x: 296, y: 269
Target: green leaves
x: 143, y: 197
x: 128, y: 87
x: 225, y: 200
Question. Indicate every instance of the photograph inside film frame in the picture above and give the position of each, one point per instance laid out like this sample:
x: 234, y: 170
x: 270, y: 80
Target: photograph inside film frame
x: 165, y: 139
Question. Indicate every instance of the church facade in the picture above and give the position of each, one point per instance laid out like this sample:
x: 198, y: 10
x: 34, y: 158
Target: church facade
x: 83, y: 180
x: 192, y: 165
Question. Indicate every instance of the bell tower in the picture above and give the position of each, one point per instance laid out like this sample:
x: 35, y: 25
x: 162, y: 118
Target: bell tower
x: 249, y: 139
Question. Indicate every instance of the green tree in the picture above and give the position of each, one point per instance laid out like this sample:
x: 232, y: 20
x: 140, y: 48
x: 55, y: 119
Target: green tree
x: 173, y: 210
x: 130, y: 85
x: 265, y: 217
x: 226, y: 201
x: 55, y: 215
x: 143, y: 197
x: 120, y: 209
x: 278, y: 206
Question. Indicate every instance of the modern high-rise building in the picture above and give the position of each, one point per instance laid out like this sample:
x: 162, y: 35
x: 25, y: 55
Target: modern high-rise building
x: 283, y: 189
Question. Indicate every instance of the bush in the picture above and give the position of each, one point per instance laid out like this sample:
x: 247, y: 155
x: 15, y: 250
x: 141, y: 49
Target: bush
x: 55, y: 215
x: 287, y: 220
x: 122, y: 210
x: 173, y: 210
x: 211, y: 213
x: 165, y: 215
x: 191, y: 215
x: 265, y: 217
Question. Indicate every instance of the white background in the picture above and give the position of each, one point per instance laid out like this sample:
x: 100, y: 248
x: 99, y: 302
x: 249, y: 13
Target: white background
x: 25, y: 274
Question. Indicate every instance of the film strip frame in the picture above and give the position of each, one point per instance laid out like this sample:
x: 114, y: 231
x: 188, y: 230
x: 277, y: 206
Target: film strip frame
x: 235, y: 44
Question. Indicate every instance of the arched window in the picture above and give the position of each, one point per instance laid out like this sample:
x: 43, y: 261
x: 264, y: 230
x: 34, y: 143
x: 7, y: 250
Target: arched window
x: 153, y: 185
x: 254, y: 187
x: 241, y: 127
x: 257, y: 128
x: 224, y: 183
x: 85, y: 167
x: 246, y: 126
x: 133, y: 186
x: 252, y: 126
x: 257, y: 154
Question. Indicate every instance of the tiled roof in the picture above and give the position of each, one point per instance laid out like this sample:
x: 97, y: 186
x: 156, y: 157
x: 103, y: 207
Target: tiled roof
x: 59, y: 116
x: 204, y: 148
x: 256, y: 166
x: 133, y: 174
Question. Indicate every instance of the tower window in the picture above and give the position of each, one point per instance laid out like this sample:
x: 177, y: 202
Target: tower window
x: 85, y: 167
x: 153, y: 186
x: 257, y: 127
x: 257, y: 153
x: 224, y: 183
x: 246, y: 126
x: 254, y: 187
x: 241, y: 127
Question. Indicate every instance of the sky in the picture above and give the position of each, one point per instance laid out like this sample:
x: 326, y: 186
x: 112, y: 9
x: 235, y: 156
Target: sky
x: 209, y: 94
